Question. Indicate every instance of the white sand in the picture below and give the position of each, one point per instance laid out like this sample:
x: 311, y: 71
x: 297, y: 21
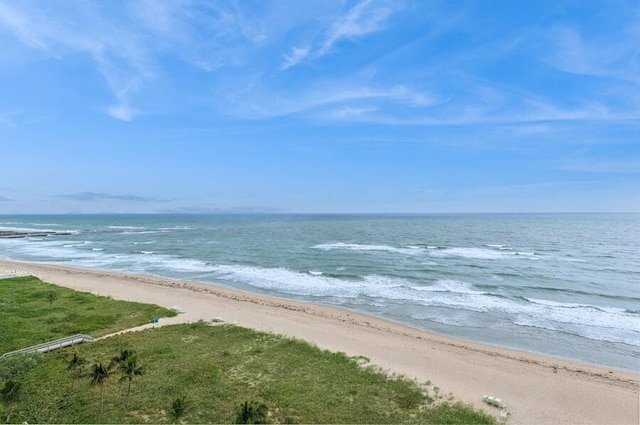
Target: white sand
x: 535, y: 389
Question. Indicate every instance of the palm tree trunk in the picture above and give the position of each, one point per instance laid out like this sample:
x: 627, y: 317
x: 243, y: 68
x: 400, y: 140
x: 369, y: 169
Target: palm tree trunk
x: 101, y: 398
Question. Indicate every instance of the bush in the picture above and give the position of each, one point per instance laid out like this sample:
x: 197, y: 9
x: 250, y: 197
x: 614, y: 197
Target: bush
x: 14, y: 366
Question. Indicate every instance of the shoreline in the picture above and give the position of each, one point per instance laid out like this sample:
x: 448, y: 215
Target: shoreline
x: 535, y: 388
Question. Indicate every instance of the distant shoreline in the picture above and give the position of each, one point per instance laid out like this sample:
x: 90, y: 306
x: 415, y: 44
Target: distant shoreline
x: 535, y: 388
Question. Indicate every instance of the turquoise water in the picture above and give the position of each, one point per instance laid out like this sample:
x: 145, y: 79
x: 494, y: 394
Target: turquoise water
x: 561, y: 285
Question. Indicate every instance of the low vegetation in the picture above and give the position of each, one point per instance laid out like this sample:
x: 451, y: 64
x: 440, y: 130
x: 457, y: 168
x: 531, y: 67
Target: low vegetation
x: 198, y: 373
x: 33, y: 312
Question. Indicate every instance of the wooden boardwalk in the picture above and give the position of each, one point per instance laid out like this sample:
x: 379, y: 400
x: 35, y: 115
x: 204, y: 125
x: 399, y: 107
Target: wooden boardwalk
x: 51, y: 345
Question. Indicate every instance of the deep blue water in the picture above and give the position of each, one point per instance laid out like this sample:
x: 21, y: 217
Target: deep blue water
x: 565, y: 285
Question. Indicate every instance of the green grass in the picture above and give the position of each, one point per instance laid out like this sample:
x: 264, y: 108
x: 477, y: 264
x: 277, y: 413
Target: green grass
x: 33, y: 312
x: 215, y: 368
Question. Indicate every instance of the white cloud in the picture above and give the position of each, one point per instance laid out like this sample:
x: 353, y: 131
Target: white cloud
x: 297, y: 55
x: 123, y: 112
x: 364, y: 18
x: 352, y: 113
x: 117, y: 50
x: 605, y: 55
x: 95, y: 196
x: 17, y: 23
x: 348, y: 95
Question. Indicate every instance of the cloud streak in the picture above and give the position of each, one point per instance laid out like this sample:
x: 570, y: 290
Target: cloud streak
x: 96, y: 197
x: 364, y: 18
x: 593, y: 165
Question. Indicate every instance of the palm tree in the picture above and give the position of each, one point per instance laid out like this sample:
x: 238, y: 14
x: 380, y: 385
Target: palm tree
x: 117, y: 362
x: 179, y: 407
x: 51, y: 297
x: 99, y: 374
x: 121, y: 358
x: 130, y: 369
x: 75, y: 365
x: 251, y: 413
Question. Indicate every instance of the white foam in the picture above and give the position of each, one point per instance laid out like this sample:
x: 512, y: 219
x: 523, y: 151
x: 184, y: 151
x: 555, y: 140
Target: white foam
x: 473, y: 253
x: 141, y: 232
x: 125, y: 227
x: 574, y: 305
x: 594, y: 332
x: 445, y: 293
x: 176, y: 228
x: 21, y: 229
x: 480, y: 253
x: 185, y: 264
x: 49, y: 249
x: 36, y: 229
x: 364, y: 247
x: 449, y: 285
x: 147, y: 261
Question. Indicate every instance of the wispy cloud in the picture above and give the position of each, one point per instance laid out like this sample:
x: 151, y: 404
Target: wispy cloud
x: 6, y: 120
x: 135, y: 47
x: 3, y: 199
x: 13, y: 118
x: 337, y: 98
x: 364, y: 18
x: 117, y: 49
x: 123, y: 112
x: 353, y: 113
x: 94, y: 197
x: 20, y: 25
x: 606, y: 56
x: 199, y: 209
x: 295, y: 56
x: 594, y: 165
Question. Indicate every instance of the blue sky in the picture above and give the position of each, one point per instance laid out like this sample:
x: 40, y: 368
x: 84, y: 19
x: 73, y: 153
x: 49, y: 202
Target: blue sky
x: 319, y: 106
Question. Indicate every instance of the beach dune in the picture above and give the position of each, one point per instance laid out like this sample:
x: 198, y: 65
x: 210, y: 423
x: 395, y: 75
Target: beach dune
x: 535, y: 389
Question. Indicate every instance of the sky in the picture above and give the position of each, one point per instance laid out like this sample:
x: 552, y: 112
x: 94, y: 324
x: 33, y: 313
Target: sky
x: 329, y: 106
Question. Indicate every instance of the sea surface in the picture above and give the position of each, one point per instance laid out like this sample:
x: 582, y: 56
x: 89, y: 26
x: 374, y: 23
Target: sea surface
x: 563, y: 285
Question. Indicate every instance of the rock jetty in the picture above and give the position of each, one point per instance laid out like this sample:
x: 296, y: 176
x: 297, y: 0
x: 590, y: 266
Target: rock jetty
x: 15, y: 234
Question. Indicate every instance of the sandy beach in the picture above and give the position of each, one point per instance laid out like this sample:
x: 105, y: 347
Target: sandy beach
x: 535, y: 389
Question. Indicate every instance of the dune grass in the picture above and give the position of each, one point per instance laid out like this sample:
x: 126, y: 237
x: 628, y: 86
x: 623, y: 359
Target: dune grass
x: 33, y: 312
x: 211, y: 370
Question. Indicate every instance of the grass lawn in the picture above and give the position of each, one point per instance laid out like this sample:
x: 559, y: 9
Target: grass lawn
x: 33, y: 312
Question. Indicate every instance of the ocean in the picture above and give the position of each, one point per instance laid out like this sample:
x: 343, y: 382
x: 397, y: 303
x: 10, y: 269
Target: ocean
x: 562, y: 285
